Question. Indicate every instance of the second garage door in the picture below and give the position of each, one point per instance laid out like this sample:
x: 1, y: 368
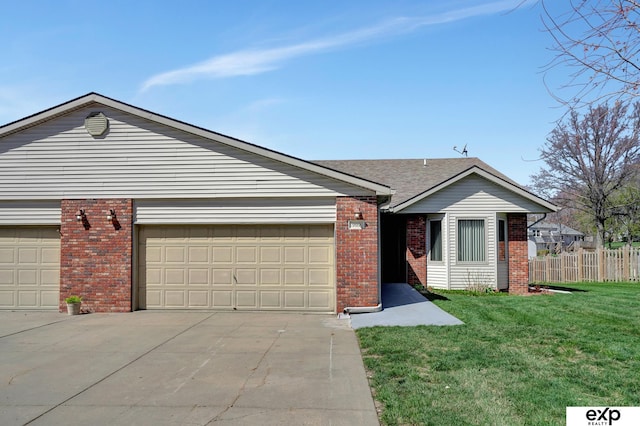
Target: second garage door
x: 266, y: 267
x: 29, y: 267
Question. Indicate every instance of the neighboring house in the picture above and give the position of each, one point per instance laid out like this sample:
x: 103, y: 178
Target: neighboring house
x: 134, y: 210
x: 553, y: 237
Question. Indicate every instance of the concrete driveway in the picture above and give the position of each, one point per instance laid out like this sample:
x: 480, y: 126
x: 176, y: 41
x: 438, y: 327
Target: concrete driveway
x: 170, y: 368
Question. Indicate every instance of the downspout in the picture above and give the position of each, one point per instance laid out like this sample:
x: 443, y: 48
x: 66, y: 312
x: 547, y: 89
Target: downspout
x: 363, y: 309
x: 378, y: 307
x: 544, y: 216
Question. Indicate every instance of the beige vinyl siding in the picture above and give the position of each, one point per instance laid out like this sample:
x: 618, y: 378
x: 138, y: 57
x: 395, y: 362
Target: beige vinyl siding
x: 238, y: 211
x: 30, y: 212
x: 139, y: 159
x: 473, y: 194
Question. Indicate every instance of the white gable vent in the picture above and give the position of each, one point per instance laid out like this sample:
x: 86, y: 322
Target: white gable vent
x: 96, y: 124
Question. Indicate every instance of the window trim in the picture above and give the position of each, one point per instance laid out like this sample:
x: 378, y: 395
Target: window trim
x: 430, y: 229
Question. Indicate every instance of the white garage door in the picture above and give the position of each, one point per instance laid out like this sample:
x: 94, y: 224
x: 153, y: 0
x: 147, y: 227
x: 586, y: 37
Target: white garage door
x: 29, y: 267
x: 265, y: 267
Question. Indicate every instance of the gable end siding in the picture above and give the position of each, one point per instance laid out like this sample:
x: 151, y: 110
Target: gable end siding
x: 473, y: 194
x: 139, y: 158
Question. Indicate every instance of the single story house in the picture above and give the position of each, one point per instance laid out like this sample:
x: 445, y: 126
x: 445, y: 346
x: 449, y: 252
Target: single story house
x: 134, y: 210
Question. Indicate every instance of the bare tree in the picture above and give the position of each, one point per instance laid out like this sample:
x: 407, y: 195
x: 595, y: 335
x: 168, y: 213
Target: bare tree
x: 589, y: 158
x: 600, y: 41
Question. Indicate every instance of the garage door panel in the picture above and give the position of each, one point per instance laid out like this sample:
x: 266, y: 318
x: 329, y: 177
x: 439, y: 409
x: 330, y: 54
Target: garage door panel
x: 199, y: 277
x: 223, y: 254
x: 175, y: 299
x: 320, y: 299
x: 294, y: 299
x: 199, y: 298
x: 50, y: 256
x: 7, y: 255
x: 246, y: 299
x: 175, y: 276
x: 271, y: 267
x: 222, y: 299
x: 174, y: 254
x: 319, y: 255
x: 294, y: 255
x: 294, y: 277
x: 320, y: 277
x: 29, y: 267
x: 28, y: 255
x: 270, y: 277
x: 222, y: 277
x: 270, y: 300
x: 49, y: 299
x: 6, y: 277
x: 27, y: 277
x: 28, y: 299
x: 270, y: 254
x: 50, y: 278
x: 7, y: 299
x: 199, y: 255
x: 246, y: 276
x: 246, y: 255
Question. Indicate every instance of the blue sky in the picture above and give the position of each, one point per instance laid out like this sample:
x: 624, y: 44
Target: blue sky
x: 313, y: 79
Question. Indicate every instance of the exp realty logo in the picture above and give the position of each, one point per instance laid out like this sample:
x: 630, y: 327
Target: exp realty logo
x: 603, y: 416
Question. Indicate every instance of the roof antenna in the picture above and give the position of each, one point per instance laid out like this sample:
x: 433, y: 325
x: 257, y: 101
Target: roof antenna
x: 463, y: 152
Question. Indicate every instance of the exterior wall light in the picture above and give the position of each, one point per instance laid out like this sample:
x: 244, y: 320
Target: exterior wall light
x: 80, y: 215
x: 357, y: 223
x: 111, y: 215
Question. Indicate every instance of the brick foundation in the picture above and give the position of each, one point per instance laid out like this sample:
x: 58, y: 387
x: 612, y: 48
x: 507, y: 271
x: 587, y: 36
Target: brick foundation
x: 518, y: 253
x: 356, y: 254
x: 96, y: 254
x: 417, y: 250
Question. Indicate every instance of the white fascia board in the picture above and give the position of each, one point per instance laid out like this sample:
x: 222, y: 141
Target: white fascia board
x: 80, y: 102
x: 547, y: 206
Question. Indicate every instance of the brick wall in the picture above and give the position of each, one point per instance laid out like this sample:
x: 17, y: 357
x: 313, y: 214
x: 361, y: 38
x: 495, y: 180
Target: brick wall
x: 96, y: 255
x: 417, y: 250
x: 356, y: 254
x: 518, y: 253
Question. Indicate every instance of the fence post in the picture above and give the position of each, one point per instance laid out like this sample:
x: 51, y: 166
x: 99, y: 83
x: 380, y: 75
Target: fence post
x: 580, y: 264
x: 625, y: 263
x: 547, y: 268
x: 601, y: 265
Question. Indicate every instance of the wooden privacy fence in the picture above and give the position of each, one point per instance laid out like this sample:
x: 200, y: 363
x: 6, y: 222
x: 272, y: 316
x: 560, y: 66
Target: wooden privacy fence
x: 622, y: 264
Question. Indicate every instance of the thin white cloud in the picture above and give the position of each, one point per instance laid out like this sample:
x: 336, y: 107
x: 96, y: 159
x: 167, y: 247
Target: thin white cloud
x: 257, y: 61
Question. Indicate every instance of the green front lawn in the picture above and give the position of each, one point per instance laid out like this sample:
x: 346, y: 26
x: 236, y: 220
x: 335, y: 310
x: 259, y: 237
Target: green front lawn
x: 517, y: 360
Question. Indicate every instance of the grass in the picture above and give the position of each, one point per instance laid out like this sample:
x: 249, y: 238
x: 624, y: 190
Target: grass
x: 516, y: 361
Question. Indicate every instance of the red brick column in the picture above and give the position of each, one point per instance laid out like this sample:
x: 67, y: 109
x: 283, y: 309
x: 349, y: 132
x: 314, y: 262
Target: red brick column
x: 96, y: 254
x: 356, y: 253
x: 518, y: 253
x: 417, y: 250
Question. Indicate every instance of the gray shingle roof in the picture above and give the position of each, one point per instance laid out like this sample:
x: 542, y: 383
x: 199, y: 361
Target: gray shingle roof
x: 410, y: 177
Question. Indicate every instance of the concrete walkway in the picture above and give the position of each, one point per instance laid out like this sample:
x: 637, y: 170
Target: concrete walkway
x: 177, y: 368
x: 404, y: 306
